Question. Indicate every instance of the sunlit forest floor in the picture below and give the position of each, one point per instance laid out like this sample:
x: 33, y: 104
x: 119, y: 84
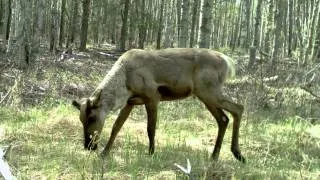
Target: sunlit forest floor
x: 280, y: 130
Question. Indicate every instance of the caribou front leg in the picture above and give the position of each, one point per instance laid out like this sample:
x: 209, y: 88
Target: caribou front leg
x: 152, y: 108
x: 122, y: 117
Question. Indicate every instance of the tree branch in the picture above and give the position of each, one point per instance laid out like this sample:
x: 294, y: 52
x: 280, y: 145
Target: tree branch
x: 5, y: 96
x: 311, y: 93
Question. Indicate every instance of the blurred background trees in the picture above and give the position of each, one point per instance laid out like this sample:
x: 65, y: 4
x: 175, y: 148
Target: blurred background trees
x: 273, y: 29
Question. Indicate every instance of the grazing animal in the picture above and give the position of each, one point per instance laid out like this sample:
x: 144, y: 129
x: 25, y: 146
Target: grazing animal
x: 146, y: 77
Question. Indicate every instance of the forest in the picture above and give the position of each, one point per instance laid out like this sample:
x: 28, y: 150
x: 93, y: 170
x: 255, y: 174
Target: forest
x: 56, y: 51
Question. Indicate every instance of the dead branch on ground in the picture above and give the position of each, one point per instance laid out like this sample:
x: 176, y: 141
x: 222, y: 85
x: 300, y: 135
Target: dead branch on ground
x: 308, y: 90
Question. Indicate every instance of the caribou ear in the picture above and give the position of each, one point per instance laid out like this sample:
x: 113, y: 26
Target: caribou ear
x: 95, y: 102
x: 76, y: 104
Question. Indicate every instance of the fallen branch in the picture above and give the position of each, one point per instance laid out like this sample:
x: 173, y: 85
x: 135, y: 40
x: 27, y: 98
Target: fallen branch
x: 265, y: 54
x: 186, y: 170
x: 311, y: 93
x: 5, y: 96
x: 4, y: 166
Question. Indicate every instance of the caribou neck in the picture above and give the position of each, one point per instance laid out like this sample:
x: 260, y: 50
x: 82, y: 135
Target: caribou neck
x: 114, y: 93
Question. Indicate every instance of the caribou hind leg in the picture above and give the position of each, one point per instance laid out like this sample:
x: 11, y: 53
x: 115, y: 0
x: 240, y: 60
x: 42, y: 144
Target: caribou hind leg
x: 222, y: 121
x: 216, y: 102
x: 207, y: 87
x: 122, y: 117
x: 236, y: 111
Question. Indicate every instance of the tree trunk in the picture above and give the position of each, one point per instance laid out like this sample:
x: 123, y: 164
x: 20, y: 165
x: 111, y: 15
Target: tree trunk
x: 62, y: 23
x: 270, y: 27
x: 197, y: 31
x: 178, y: 19
x: 24, y: 33
x: 193, y: 22
x: 132, y: 28
x: 248, y: 29
x: 96, y: 21
x: 73, y: 23
x: 160, y: 27
x: 9, y: 16
x: 278, y: 36
x: 184, y: 24
x: 142, y: 25
x: 206, y: 24
x: 124, y: 28
x: 316, y: 55
x: 1, y: 15
x: 84, y: 24
x: 38, y: 26
x: 234, y: 26
x: 256, y: 41
x: 290, y: 33
x: 312, y: 35
x: 170, y: 27
x: 53, y: 27
x: 237, y: 33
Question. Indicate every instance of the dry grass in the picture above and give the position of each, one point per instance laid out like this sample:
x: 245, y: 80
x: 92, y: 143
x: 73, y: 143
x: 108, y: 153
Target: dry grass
x: 46, y: 138
x: 48, y: 144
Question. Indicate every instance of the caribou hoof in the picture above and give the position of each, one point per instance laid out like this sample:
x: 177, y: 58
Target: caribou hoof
x: 239, y: 156
x: 104, y: 154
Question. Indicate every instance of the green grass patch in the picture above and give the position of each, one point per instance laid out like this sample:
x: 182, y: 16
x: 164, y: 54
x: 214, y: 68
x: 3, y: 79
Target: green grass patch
x: 47, y: 143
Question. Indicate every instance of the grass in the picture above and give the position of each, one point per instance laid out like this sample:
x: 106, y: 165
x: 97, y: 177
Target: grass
x: 47, y: 143
x: 46, y: 135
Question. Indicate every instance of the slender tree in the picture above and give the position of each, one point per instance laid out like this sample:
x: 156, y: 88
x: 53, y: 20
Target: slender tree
x: 160, y: 26
x: 312, y: 34
x: 170, y: 27
x: 184, y: 26
x: 316, y: 55
x: 248, y: 23
x: 197, y: 29
x: 84, y: 24
x: 142, y: 23
x: 278, y: 35
x: 9, y: 16
x: 96, y: 21
x: 38, y: 26
x: 24, y: 33
x: 178, y: 18
x: 290, y: 25
x: 62, y: 22
x: 270, y: 27
x: 1, y: 14
x: 193, y: 22
x: 73, y: 23
x: 124, y: 27
x: 53, y: 26
x: 256, y: 41
x: 238, y: 28
x: 206, y: 24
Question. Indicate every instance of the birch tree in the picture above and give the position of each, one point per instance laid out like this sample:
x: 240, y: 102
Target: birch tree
x: 84, y: 24
x: 184, y: 26
x: 206, y: 24
x: 124, y: 27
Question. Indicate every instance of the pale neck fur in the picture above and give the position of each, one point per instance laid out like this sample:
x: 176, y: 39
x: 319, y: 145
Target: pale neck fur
x: 114, y: 92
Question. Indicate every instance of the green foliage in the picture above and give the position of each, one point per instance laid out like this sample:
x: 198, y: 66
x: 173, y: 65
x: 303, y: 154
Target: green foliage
x: 47, y: 143
x: 46, y: 134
